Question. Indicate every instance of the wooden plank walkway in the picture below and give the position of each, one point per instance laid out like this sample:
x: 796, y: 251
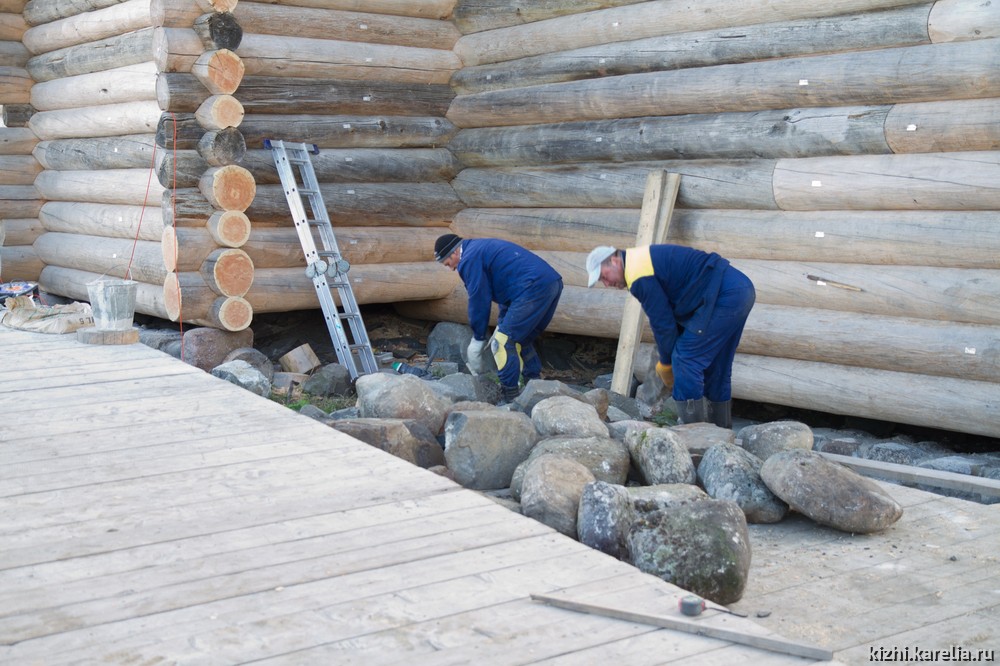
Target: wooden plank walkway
x: 151, y: 513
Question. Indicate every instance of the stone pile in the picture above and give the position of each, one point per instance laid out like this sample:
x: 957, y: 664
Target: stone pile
x: 674, y: 501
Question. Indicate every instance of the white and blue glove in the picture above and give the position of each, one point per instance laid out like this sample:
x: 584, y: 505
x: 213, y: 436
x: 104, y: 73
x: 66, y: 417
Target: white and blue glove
x: 476, y: 362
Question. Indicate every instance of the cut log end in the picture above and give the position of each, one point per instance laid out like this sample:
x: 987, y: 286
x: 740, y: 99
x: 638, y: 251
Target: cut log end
x: 231, y: 313
x: 219, y: 112
x: 229, y: 188
x: 228, y: 272
x: 220, y: 71
x: 229, y: 228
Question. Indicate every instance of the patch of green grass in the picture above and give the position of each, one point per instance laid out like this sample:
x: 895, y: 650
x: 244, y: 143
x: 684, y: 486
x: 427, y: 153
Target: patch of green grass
x: 327, y: 403
x: 664, y: 418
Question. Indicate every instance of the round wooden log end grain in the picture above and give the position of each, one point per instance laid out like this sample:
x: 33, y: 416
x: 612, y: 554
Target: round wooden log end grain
x: 229, y: 187
x: 229, y: 228
x: 220, y: 71
x: 231, y: 313
x: 228, y: 272
x: 222, y: 147
x: 219, y: 112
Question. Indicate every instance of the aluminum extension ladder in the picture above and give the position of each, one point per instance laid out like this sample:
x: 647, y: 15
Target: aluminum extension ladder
x: 327, y: 268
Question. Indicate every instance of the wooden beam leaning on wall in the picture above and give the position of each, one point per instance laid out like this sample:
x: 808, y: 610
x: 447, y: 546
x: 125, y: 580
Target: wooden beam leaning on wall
x: 654, y: 223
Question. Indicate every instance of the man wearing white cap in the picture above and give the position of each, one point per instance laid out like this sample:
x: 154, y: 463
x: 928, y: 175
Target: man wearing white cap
x: 697, y: 305
x: 525, y: 287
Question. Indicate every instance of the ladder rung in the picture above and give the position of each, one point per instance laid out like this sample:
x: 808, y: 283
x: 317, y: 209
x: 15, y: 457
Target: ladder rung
x: 297, y: 154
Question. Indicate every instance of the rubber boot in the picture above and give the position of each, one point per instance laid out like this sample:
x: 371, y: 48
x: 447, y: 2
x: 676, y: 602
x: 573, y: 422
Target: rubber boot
x: 508, y: 394
x: 692, y: 411
x: 721, y: 414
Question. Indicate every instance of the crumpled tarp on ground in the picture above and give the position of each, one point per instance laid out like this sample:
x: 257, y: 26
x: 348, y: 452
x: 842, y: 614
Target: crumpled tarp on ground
x: 24, y: 314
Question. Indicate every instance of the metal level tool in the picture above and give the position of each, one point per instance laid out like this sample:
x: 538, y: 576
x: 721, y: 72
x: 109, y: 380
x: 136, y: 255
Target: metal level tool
x: 327, y: 267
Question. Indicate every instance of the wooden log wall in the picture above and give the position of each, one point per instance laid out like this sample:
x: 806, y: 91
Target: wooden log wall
x: 368, y: 83
x: 19, y: 200
x: 845, y: 155
x: 150, y: 118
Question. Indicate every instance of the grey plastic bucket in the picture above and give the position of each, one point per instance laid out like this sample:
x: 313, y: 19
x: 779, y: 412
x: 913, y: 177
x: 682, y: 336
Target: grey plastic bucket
x: 113, y: 303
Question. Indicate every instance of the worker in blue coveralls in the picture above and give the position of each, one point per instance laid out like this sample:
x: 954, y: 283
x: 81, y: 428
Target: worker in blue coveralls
x: 527, y: 291
x: 697, y: 305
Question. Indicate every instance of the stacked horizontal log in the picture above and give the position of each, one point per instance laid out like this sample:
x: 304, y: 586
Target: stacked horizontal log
x: 367, y: 83
x: 200, y: 146
x: 92, y: 114
x: 844, y: 155
x: 19, y: 201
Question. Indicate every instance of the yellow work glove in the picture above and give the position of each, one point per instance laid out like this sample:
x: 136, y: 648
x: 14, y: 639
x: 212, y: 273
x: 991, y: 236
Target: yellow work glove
x: 666, y: 375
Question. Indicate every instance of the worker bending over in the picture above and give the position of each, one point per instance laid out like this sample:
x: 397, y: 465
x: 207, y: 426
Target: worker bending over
x: 697, y: 305
x: 525, y: 288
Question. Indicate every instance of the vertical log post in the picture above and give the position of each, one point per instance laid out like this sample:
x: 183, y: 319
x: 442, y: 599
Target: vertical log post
x: 654, y: 222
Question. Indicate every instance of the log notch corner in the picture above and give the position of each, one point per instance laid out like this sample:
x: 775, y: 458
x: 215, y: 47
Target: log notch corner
x: 200, y: 146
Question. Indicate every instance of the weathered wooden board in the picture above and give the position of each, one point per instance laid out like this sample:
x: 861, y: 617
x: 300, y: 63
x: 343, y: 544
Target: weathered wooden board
x: 167, y: 533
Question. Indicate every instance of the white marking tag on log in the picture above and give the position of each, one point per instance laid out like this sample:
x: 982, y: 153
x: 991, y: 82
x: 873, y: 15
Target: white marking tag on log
x: 817, y: 183
x: 348, y: 159
x: 803, y: 82
x: 347, y: 125
x: 366, y: 98
x: 350, y: 191
x: 363, y: 26
x: 911, y: 128
x: 970, y: 350
x: 599, y: 139
x: 820, y: 283
x: 820, y: 234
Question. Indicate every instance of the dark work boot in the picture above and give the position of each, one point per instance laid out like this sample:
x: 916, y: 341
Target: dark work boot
x: 508, y: 394
x: 692, y: 411
x: 721, y: 414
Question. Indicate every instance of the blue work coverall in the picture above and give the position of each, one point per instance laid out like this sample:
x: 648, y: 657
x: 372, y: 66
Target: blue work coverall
x: 697, y: 305
x: 525, y: 288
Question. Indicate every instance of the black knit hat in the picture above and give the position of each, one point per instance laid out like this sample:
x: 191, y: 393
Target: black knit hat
x: 445, y: 245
